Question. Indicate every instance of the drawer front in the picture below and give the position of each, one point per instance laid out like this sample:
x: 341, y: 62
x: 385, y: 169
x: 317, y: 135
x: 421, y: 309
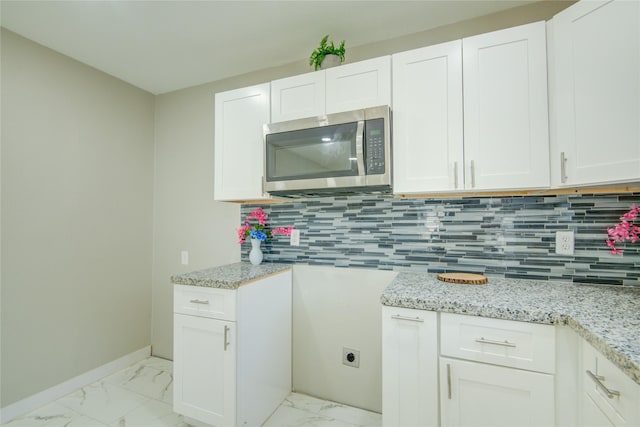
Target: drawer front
x: 205, y: 302
x: 617, y: 396
x: 500, y: 342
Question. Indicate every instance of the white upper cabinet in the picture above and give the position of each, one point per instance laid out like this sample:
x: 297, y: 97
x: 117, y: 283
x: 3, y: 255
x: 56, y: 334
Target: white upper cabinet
x: 506, y: 133
x: 427, y: 119
x: 595, y: 95
x: 359, y: 85
x: 239, y: 117
x: 503, y: 141
x: 298, y: 97
x: 344, y: 88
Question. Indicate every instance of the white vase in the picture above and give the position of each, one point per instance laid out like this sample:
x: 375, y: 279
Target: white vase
x: 255, y: 256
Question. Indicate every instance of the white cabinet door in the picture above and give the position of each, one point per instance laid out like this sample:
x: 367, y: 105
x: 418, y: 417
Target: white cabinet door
x: 591, y: 415
x: 239, y: 117
x: 427, y: 115
x: 475, y: 394
x: 409, y: 367
x: 359, y: 85
x: 298, y: 97
x: 596, y: 93
x: 506, y: 133
x: 204, y: 369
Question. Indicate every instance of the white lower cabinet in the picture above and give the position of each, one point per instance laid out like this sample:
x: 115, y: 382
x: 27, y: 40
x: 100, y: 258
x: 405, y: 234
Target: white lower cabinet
x: 232, y: 351
x: 609, y: 397
x: 409, y: 367
x: 592, y: 415
x: 476, y: 394
x: 507, y: 378
x: 204, y: 369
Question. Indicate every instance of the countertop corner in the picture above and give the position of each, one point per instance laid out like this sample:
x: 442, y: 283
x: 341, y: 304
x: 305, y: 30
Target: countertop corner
x: 230, y: 276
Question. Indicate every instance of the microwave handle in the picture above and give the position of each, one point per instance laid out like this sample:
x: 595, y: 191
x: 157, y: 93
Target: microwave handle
x: 360, y: 147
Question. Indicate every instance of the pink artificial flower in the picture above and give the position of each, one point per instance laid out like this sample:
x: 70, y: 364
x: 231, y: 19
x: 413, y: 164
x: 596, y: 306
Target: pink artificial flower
x: 259, y: 215
x: 624, y: 230
x: 242, y: 231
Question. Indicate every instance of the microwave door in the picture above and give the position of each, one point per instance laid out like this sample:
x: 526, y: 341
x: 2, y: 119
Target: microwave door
x: 315, y: 157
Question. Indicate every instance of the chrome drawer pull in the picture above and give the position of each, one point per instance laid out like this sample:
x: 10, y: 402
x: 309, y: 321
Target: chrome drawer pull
x: 413, y: 319
x: 598, y: 380
x: 198, y: 301
x: 504, y: 343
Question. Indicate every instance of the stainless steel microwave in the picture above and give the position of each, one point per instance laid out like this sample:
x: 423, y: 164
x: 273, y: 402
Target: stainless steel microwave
x: 345, y: 151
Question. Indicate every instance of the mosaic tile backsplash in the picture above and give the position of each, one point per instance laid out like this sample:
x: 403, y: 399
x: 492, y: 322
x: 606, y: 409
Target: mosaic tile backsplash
x: 512, y: 237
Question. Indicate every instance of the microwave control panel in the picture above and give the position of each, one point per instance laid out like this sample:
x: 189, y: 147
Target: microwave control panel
x: 374, y: 146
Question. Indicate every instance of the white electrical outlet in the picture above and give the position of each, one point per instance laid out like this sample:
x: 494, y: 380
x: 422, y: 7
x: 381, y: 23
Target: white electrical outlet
x: 295, y: 238
x: 350, y: 357
x: 564, y: 242
x: 184, y: 258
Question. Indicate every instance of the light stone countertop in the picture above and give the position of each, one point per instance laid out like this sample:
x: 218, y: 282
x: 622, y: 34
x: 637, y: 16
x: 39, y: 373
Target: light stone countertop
x: 229, y: 276
x: 608, y: 317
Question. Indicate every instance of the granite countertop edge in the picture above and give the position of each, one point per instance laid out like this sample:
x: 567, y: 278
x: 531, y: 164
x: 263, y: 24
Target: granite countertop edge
x: 594, y: 312
x: 229, y: 276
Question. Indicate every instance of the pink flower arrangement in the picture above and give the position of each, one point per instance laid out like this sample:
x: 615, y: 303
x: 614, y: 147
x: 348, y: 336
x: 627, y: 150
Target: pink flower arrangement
x: 624, y: 230
x: 259, y: 231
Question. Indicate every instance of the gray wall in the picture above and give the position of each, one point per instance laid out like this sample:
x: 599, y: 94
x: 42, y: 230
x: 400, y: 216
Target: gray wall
x: 77, y: 163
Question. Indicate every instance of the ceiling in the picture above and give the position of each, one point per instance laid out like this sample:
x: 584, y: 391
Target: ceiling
x: 161, y: 46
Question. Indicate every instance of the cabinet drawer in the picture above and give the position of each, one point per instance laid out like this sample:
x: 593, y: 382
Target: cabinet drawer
x: 622, y: 406
x: 500, y: 342
x: 205, y: 302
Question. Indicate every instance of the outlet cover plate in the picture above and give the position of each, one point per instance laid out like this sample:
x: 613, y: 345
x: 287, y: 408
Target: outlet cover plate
x: 564, y: 242
x: 355, y: 362
x: 295, y: 238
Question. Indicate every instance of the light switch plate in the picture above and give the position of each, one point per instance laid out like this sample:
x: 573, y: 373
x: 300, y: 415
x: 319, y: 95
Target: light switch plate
x: 564, y: 242
x: 184, y: 257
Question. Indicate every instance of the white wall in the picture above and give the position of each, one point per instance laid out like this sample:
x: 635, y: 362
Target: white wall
x: 77, y: 163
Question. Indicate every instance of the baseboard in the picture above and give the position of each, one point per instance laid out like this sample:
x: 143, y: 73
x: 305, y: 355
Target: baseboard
x: 30, y: 403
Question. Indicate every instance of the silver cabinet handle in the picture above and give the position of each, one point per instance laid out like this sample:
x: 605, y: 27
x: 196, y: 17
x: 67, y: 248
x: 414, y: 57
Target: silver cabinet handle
x: 504, y: 343
x: 455, y: 175
x: 199, y: 301
x: 473, y: 174
x: 413, y: 319
x: 226, y: 333
x: 449, y: 381
x: 598, y: 380
x: 563, y: 168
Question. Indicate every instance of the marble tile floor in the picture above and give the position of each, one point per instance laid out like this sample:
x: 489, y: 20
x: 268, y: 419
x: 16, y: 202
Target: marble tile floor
x: 140, y: 396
